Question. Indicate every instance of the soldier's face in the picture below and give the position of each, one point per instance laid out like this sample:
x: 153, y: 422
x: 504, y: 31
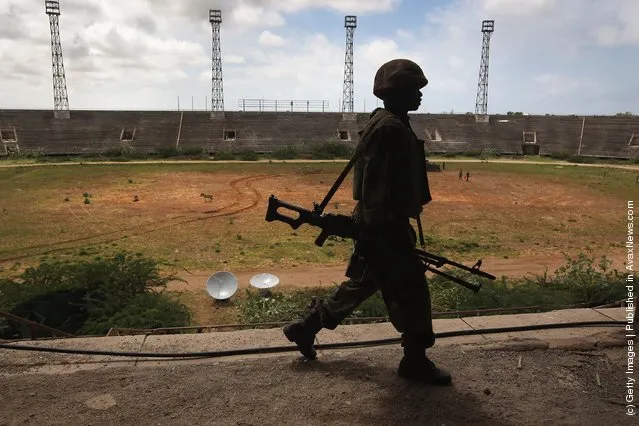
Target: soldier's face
x: 408, y: 100
x: 414, y: 100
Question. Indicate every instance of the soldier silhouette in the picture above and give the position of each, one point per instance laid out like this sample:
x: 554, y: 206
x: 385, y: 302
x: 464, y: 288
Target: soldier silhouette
x: 390, y: 186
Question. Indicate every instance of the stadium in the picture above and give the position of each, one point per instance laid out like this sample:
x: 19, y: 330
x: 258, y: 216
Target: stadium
x: 135, y: 257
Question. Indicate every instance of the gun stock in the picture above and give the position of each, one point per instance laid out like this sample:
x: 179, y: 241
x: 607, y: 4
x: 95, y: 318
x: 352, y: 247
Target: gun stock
x: 272, y: 214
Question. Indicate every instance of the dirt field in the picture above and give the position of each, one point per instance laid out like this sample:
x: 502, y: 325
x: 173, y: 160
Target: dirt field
x: 342, y: 388
x: 519, y: 218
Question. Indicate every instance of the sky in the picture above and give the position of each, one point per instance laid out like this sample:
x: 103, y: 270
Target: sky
x: 546, y: 56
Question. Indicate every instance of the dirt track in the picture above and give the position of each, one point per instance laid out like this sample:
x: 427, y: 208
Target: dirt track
x: 434, y: 159
x: 243, y: 197
x: 342, y: 388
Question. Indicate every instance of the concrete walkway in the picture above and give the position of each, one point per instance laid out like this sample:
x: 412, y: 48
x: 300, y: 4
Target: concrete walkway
x: 573, y: 376
x: 584, y: 338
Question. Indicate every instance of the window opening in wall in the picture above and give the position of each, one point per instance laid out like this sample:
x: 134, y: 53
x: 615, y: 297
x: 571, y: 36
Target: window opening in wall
x: 11, y: 149
x: 8, y: 135
x: 634, y: 141
x: 530, y: 137
x: 229, y: 135
x: 127, y: 135
x: 434, y: 135
x: 344, y: 135
x: 530, y: 149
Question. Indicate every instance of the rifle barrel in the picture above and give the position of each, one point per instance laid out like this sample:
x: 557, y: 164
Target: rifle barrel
x: 440, y: 261
x: 470, y: 286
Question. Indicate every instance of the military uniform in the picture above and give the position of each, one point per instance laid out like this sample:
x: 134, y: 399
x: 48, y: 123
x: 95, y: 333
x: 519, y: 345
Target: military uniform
x: 390, y: 186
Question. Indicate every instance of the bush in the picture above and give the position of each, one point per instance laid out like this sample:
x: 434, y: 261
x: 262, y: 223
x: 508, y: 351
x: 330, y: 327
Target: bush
x: 247, y: 155
x: 331, y: 150
x: 173, y: 152
x: 577, y: 282
x: 580, y: 159
x: 144, y: 310
x: 86, y: 297
x: 488, y: 153
x: 286, y: 153
x: 559, y: 155
x: 124, y: 150
x: 223, y: 156
x: 166, y: 152
x: 191, y: 151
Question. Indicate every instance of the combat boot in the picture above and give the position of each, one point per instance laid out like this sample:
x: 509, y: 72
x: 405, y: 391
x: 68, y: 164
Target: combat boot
x: 423, y: 370
x: 302, y: 332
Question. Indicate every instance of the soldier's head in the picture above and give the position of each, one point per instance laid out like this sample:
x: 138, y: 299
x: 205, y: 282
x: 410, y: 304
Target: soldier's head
x: 398, y: 83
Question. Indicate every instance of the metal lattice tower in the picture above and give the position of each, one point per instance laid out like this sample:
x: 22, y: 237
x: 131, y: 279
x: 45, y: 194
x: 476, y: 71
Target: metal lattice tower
x: 350, y: 23
x: 481, y: 104
x: 217, y: 91
x: 60, y: 97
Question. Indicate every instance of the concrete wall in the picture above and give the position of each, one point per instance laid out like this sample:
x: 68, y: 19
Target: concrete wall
x: 90, y: 131
x: 99, y: 131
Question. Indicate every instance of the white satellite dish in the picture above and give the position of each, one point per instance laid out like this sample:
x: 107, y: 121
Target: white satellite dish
x: 221, y: 285
x: 264, y: 281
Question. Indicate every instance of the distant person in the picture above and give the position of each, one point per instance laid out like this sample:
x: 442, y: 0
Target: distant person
x: 467, y: 176
x: 443, y: 166
x: 461, y: 173
x: 390, y: 186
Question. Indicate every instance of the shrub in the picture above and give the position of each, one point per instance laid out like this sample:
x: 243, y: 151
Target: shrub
x: 580, y: 159
x: 287, y: 307
x: 581, y: 280
x: 223, y: 156
x: 88, y: 296
x: 559, y: 155
x: 331, y: 150
x: 191, y: 151
x: 144, y: 310
x: 286, y: 153
x: 166, y: 152
x: 247, y: 155
x: 487, y: 153
x: 577, y: 282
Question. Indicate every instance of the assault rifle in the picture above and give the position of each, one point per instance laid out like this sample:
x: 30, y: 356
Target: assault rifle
x: 345, y: 227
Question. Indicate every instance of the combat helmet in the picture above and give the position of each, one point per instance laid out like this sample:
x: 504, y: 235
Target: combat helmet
x: 398, y: 74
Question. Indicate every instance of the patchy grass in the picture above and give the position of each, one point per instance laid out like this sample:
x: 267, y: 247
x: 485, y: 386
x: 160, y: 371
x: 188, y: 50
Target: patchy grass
x: 509, y: 210
x: 582, y: 280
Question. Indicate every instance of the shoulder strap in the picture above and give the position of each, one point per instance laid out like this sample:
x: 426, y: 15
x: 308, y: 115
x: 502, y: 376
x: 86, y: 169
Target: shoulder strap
x: 378, y: 115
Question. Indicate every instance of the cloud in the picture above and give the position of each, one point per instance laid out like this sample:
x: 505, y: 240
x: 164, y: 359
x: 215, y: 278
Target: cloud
x: 255, y: 16
x: 346, y: 6
x: 570, y: 56
x: 403, y: 34
x: 233, y: 59
x: 530, y: 8
x: 551, y: 84
x: 268, y: 39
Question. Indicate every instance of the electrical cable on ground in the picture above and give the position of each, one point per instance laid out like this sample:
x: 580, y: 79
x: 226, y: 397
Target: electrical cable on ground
x: 276, y: 349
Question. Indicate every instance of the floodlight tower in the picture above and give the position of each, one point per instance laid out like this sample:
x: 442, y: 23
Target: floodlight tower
x: 481, y: 104
x: 60, y: 97
x: 350, y: 23
x: 217, y: 91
